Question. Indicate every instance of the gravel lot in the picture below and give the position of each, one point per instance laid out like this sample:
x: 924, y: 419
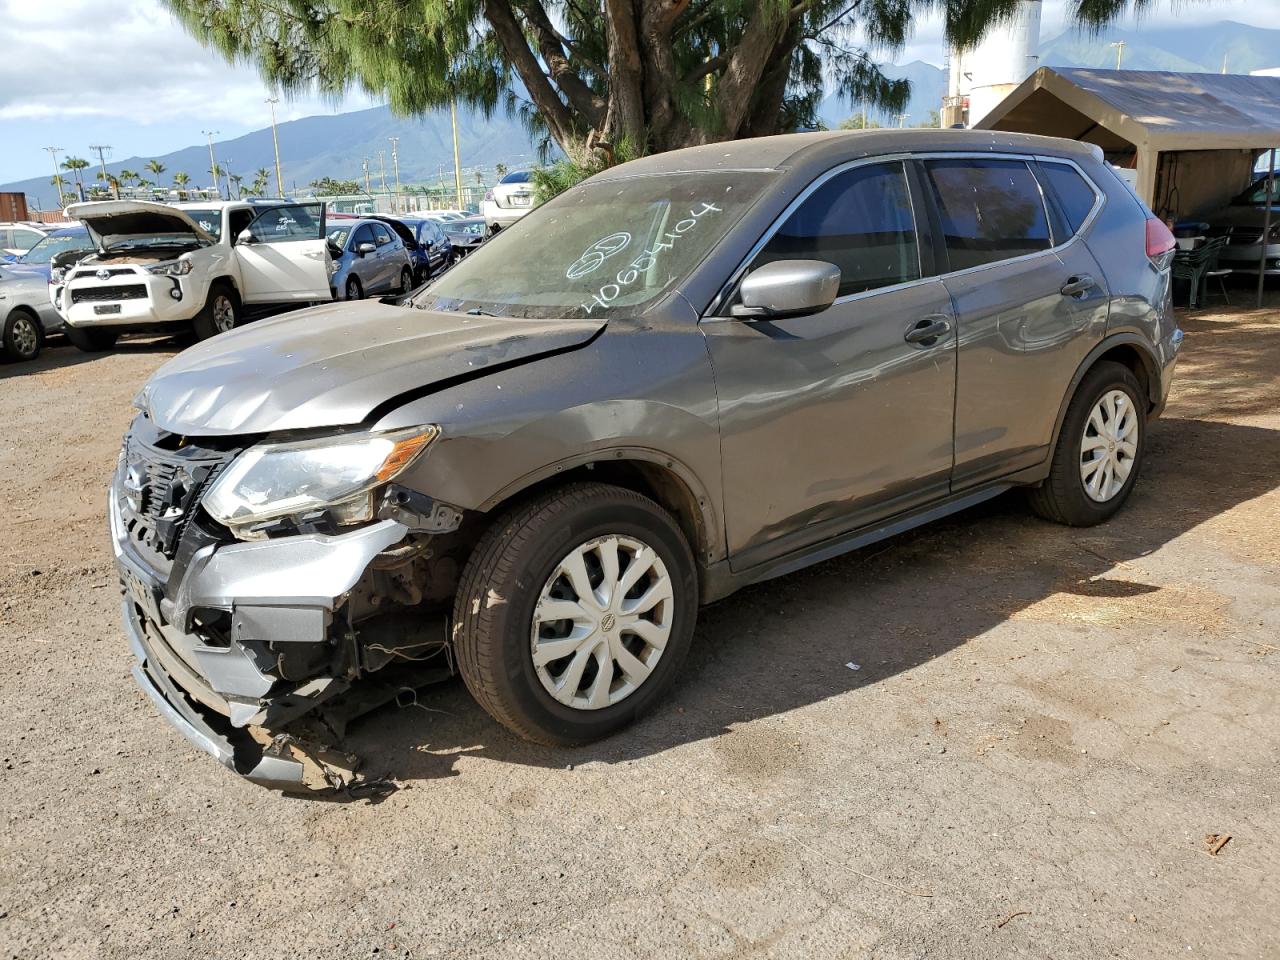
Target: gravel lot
x: 1045, y: 726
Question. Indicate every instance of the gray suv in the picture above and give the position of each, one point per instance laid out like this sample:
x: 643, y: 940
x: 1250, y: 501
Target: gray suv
x: 691, y: 373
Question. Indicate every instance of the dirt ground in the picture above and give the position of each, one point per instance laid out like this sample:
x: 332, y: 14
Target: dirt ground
x: 1044, y: 726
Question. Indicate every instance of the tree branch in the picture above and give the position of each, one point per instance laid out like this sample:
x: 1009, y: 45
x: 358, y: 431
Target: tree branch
x: 509, y: 35
x: 550, y: 45
x: 625, y: 114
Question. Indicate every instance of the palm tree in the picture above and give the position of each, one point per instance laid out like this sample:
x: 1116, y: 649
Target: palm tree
x: 261, y: 177
x: 236, y: 179
x: 180, y: 180
x: 114, y: 181
x: 500, y: 169
x: 126, y: 177
x: 75, y: 165
x: 156, y: 167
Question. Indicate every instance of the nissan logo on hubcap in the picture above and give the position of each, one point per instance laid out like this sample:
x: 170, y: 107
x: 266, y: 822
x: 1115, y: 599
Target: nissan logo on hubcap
x: 607, y: 623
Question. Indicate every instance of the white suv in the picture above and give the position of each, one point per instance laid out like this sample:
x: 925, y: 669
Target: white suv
x: 199, y: 265
x: 509, y: 200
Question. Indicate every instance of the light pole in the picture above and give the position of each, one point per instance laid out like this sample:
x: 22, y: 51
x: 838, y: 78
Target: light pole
x: 382, y: 165
x: 457, y: 163
x: 275, y: 142
x: 1119, y: 45
x: 57, y: 172
x: 368, y: 187
x: 395, y: 164
x: 101, y: 150
x: 213, y: 164
x: 226, y: 170
x: 902, y: 120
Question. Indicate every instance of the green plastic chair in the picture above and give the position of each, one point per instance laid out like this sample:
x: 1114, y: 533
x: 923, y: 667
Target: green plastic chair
x: 1194, y: 266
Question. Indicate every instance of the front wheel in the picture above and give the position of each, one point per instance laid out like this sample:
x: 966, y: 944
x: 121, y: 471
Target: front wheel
x: 22, y: 336
x: 221, y: 312
x: 406, y: 280
x: 354, y: 292
x: 1099, y: 451
x: 91, y: 340
x: 575, y: 613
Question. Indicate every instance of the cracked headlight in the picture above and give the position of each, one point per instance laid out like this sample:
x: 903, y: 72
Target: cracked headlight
x: 173, y: 268
x: 338, y: 474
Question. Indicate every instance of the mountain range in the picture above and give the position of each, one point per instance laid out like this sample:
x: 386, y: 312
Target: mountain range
x: 337, y: 145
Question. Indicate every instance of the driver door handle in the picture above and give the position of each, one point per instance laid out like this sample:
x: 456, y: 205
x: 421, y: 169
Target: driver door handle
x: 1078, y: 285
x: 928, y: 330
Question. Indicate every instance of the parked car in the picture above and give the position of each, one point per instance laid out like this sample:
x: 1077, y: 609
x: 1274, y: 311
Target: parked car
x: 444, y: 214
x: 433, y: 241
x: 197, y: 266
x: 17, y: 238
x: 509, y: 200
x: 61, y: 244
x: 420, y: 258
x: 26, y: 315
x: 466, y: 234
x: 1241, y: 222
x: 690, y: 373
x: 369, y: 259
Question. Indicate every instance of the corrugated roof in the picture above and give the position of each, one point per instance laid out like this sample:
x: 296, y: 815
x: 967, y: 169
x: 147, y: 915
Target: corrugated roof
x: 1159, y: 109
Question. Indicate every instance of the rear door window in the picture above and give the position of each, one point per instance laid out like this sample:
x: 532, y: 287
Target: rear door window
x: 382, y: 236
x: 1075, y: 196
x: 991, y: 210
x: 860, y: 220
x: 363, y: 235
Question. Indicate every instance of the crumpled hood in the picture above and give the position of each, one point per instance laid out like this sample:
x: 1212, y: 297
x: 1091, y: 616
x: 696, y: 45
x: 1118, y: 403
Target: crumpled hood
x: 332, y: 365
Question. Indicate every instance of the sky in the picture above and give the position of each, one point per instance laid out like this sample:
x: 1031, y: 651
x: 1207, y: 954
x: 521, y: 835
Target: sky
x: 125, y: 73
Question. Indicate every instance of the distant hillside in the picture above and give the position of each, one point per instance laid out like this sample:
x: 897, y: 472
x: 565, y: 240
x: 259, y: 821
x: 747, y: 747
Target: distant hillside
x: 1184, y: 49
x: 928, y: 84
x: 334, y: 146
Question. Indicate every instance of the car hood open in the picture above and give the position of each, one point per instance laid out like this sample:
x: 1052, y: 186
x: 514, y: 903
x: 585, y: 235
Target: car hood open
x: 333, y: 365
x: 134, y: 218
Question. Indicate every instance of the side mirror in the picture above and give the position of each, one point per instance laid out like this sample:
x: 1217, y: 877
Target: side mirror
x: 246, y: 236
x: 365, y: 248
x: 787, y: 288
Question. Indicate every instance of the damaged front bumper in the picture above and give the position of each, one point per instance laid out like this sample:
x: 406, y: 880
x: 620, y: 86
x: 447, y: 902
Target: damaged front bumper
x: 216, y: 686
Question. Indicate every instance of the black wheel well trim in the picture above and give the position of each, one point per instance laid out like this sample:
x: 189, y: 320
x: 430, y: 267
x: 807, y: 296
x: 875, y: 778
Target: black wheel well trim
x: 227, y: 279
x: 1148, y: 373
x: 25, y: 310
x: 663, y: 478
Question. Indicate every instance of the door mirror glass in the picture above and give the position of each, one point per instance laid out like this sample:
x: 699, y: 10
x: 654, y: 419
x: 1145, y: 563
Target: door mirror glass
x: 364, y: 248
x: 786, y: 288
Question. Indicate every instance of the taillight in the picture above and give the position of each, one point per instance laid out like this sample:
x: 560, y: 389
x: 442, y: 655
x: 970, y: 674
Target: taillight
x: 488, y: 194
x: 1160, y: 241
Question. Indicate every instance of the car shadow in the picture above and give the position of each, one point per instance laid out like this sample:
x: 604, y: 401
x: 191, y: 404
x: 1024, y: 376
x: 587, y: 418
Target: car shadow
x: 886, y: 609
x: 58, y: 353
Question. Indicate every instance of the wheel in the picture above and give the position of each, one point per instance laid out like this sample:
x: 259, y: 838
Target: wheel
x: 421, y: 276
x: 92, y: 340
x: 23, y: 336
x: 406, y: 280
x: 221, y: 312
x: 354, y: 291
x: 575, y: 613
x: 1099, y: 452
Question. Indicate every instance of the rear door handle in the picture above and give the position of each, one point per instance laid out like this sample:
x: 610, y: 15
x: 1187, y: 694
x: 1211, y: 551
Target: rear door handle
x: 928, y: 331
x: 1075, y: 286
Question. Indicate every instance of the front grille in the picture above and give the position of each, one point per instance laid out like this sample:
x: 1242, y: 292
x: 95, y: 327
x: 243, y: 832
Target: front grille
x: 110, y: 273
x: 125, y: 291
x: 159, y: 491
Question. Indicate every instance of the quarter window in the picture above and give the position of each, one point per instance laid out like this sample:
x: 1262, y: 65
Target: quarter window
x: 991, y: 210
x: 861, y: 221
x: 382, y: 235
x: 1074, y: 194
x: 363, y: 235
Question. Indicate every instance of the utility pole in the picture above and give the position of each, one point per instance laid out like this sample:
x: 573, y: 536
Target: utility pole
x: 1266, y: 226
x: 902, y: 120
x: 368, y: 187
x: 213, y: 164
x: 457, y: 163
x: 275, y: 141
x: 395, y: 163
x: 226, y: 169
x: 1119, y: 45
x: 57, y: 172
x: 101, y: 150
x: 382, y: 164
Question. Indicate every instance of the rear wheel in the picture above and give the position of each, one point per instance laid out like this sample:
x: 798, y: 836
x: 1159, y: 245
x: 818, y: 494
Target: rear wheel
x: 575, y: 613
x: 22, y: 336
x: 91, y: 340
x: 406, y: 280
x: 354, y: 291
x: 1099, y: 451
x: 221, y: 312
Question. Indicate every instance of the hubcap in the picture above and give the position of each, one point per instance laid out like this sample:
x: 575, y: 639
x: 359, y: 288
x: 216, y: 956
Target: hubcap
x: 602, y: 621
x: 224, y: 314
x: 1109, y: 446
x: 24, y: 335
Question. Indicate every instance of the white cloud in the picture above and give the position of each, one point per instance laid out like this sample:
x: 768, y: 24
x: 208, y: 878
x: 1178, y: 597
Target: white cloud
x: 129, y: 60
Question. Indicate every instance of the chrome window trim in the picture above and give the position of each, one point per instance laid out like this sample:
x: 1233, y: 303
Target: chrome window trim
x: 721, y: 299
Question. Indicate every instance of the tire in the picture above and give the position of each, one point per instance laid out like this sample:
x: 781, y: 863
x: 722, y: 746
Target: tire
x: 221, y: 312
x: 354, y: 290
x: 23, y: 336
x: 91, y: 340
x: 406, y: 280
x: 1065, y: 496
x: 517, y: 561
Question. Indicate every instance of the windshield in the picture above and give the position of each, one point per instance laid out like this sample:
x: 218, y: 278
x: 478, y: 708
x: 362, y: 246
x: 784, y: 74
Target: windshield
x: 1257, y: 192
x: 49, y: 247
x: 210, y: 221
x: 600, y: 249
